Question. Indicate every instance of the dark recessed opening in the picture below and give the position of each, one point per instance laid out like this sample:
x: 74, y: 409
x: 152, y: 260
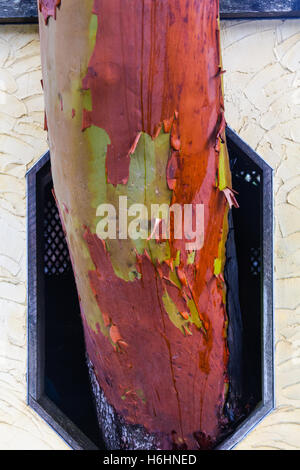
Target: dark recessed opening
x: 66, y: 373
x: 247, y: 180
x: 66, y: 379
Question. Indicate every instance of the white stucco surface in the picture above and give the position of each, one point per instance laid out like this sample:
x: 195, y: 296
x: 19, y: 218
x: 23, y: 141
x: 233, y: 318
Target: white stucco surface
x: 262, y: 90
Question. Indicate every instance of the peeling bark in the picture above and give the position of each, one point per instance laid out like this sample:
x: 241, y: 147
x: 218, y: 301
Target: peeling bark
x: 48, y: 8
x: 137, y: 110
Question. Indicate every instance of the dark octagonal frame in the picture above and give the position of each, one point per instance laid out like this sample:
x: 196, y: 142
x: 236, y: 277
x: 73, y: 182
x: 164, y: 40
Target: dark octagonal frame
x: 268, y: 394
x: 36, y: 178
x: 37, y: 398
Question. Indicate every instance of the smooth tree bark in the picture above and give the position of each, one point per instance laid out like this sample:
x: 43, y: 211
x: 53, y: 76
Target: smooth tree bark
x: 134, y: 108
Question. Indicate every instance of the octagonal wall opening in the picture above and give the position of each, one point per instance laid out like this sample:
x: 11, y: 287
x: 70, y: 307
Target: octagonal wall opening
x: 59, y: 386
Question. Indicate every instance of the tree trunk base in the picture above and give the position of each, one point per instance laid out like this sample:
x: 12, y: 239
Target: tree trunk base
x: 116, y: 433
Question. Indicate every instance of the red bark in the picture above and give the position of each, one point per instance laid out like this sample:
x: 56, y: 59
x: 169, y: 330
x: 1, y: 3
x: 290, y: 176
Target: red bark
x: 142, y: 71
x: 155, y: 67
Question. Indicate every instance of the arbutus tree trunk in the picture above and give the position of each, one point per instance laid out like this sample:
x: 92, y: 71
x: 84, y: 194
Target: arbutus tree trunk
x: 134, y: 108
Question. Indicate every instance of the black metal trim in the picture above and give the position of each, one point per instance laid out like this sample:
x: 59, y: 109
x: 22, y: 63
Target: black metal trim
x: 25, y: 11
x: 18, y: 11
x: 64, y: 427
x: 259, y: 15
x: 268, y: 401
x: 260, y: 9
x: 36, y: 397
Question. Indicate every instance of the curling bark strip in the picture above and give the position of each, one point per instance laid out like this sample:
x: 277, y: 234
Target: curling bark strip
x: 48, y: 8
x: 134, y: 103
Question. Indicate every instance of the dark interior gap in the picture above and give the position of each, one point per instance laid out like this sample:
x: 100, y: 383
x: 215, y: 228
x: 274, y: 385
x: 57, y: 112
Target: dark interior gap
x: 66, y: 374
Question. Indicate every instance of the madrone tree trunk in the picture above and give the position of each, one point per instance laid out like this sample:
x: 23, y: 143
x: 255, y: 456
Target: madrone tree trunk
x: 134, y: 108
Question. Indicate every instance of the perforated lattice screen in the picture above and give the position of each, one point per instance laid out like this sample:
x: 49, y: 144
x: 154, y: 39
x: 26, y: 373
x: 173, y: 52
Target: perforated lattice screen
x: 56, y: 253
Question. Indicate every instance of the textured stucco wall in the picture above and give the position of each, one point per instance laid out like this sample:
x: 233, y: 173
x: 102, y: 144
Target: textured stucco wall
x: 262, y: 92
x: 22, y: 141
x: 262, y: 85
